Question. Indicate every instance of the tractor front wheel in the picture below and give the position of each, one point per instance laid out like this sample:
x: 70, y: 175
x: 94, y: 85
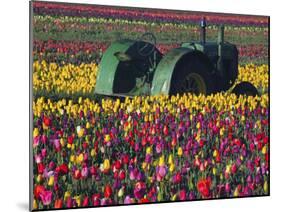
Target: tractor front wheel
x: 245, y: 88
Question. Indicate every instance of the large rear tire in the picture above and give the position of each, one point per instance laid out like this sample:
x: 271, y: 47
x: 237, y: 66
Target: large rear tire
x: 192, y: 75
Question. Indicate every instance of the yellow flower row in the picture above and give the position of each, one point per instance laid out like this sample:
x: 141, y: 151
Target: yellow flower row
x: 150, y: 104
x: 257, y: 75
x: 68, y: 79
x: 73, y: 79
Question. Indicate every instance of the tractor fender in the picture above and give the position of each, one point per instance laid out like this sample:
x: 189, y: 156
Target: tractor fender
x: 108, y: 66
x: 163, y: 74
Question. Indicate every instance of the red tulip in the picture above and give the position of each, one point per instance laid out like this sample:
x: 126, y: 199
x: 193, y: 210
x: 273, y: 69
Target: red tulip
x: 38, y: 190
x: 63, y: 169
x: 125, y: 159
x: 77, y: 174
x: 85, y: 201
x: 122, y: 175
x: 233, y: 168
x: 144, y: 200
x: 58, y: 203
x: 182, y: 195
x: 70, y: 139
x: 96, y: 199
x: 47, y: 121
x: 165, y: 130
x: 203, y: 187
x: 107, y: 191
x: 40, y: 168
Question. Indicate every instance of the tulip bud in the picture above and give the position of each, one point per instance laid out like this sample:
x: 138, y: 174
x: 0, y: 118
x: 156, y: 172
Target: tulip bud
x: 35, y: 132
x: 107, y: 138
x: 265, y: 187
x: 62, y: 142
x: 180, y: 151
x: 214, y: 171
x: 121, y: 192
x: 39, y: 178
x: 215, y: 153
x: 170, y: 159
x: 227, y: 187
x: 172, y: 167
x: 174, y: 197
x: 236, y: 192
x: 78, y: 200
x: 162, y: 160
x: 80, y: 158
x: 51, y: 181
x: 85, y: 202
x: 148, y: 150
x: 264, y: 150
x: 35, y: 205
x: 58, y: 203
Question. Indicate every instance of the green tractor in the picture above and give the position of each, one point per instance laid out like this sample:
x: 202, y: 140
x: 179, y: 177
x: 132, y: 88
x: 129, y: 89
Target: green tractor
x: 136, y: 67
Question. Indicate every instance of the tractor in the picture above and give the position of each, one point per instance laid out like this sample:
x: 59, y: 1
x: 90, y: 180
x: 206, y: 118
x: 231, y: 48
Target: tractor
x: 136, y: 67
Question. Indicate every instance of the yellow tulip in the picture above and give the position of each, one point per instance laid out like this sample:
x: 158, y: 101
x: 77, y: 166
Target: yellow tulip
x: 62, y: 142
x: 72, y: 158
x: 172, y: 167
x: 35, y: 132
x: 93, y: 152
x: 35, y: 205
x: 80, y: 132
x: 120, y: 192
x: 215, y: 153
x: 214, y: 171
x: 228, y: 168
x: 88, y: 125
x: 107, y: 138
x: 174, y: 197
x: 39, y: 178
x: 144, y: 165
x: 78, y: 200
x: 106, y: 164
x: 148, y: 150
x: 162, y: 161
x: 264, y: 150
x: 80, y: 158
x: 170, y: 159
x: 180, y: 151
x: 236, y: 192
x: 265, y: 187
x: 66, y: 195
x: 51, y: 181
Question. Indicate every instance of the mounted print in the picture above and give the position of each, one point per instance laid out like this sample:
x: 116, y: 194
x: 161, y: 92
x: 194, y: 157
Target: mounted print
x: 139, y: 105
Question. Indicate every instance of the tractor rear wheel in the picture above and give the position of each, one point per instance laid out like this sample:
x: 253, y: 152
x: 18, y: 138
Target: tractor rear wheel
x: 192, y: 76
x: 245, y: 88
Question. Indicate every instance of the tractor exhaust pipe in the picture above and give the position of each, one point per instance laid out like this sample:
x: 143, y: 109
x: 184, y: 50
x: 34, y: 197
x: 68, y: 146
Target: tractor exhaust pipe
x: 203, y: 30
x: 220, y: 40
x: 220, y: 46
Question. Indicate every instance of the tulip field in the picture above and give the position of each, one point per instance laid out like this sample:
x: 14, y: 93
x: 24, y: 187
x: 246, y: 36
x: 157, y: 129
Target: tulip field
x: 93, y: 151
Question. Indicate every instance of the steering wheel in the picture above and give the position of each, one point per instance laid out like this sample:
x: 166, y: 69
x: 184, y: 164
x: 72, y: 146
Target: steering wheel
x: 146, y: 44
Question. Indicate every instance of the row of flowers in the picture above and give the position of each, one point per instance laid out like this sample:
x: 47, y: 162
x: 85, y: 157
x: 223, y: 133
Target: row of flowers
x: 67, y: 79
x: 104, y: 29
x: 149, y: 149
x: 70, y: 78
x: 78, y: 52
x: 57, y: 9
